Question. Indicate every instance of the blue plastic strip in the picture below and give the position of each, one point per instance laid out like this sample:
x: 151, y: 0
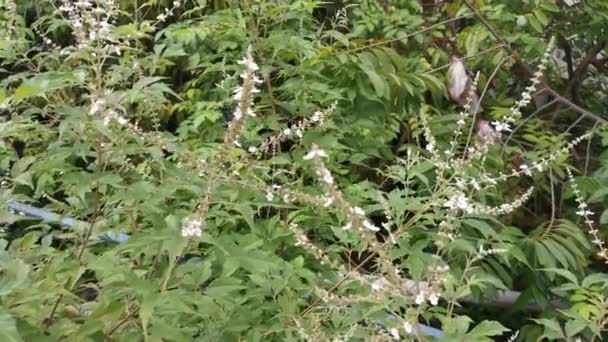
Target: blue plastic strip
x: 429, y: 331
x: 40, y: 213
x: 63, y: 220
x: 114, y: 237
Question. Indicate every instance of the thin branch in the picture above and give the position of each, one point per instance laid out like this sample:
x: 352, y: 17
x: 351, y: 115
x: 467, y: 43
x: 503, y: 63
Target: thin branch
x: 464, y: 58
x: 409, y: 35
x: 529, y: 70
x: 85, y: 239
x: 551, y: 181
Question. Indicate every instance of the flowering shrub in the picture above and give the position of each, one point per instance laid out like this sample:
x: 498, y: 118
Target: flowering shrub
x: 293, y: 170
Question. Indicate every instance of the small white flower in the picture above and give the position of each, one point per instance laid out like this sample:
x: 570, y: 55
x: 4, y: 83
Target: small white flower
x: 357, y: 210
x: 315, y: 152
x: 248, y: 62
x: 430, y: 147
x: 379, y: 284
x: 501, y: 126
x: 238, y: 93
x: 326, y: 176
x: 287, y: 131
x: 237, y: 114
x: 525, y: 169
x: 367, y: 224
x: 407, y: 326
x: 252, y: 149
x: 347, y: 226
x: 122, y: 121
x: 161, y: 17
x: 420, y: 298
x: 317, y: 116
x: 584, y: 213
x: 459, y: 202
x: 475, y: 185
x: 97, y: 106
x: 269, y: 196
x: 434, y: 298
x: 192, y: 228
x: 394, y: 334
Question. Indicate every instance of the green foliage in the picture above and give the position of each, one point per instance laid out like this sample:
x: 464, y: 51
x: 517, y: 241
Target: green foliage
x: 127, y: 128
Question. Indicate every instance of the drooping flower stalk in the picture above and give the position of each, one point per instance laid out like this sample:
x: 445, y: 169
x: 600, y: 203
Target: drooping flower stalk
x: 504, y: 124
x: 585, y: 213
x: 244, y: 95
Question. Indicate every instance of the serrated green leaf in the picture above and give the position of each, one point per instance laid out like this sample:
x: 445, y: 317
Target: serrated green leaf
x: 564, y: 273
x: 8, y: 328
x: 487, y: 328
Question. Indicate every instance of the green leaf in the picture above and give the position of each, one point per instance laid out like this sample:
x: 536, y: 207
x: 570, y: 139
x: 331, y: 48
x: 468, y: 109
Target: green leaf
x: 542, y: 18
x: 550, y: 6
x: 482, y: 226
x: 27, y: 90
x: 456, y: 326
x: 536, y: 25
x: 146, y: 310
x: 552, y: 328
x: 377, y: 82
x: 340, y: 37
x: 595, y: 279
x: 13, y: 274
x: 574, y: 327
x: 564, y: 273
x: 598, y: 195
x: 543, y: 256
x: 487, y: 328
x: 604, y: 217
x: 8, y: 328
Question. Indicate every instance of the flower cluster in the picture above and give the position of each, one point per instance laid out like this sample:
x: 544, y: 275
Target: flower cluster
x: 244, y: 95
x: 537, y: 166
x: 429, y: 290
x: 302, y: 240
x: 463, y: 116
x: 431, y: 143
x: 91, y: 23
x: 459, y: 202
x: 504, y: 124
x: 162, y: 17
x: 355, y: 215
x: 585, y: 213
x: 505, y: 208
x: 103, y: 107
x: 295, y: 131
x: 192, y: 227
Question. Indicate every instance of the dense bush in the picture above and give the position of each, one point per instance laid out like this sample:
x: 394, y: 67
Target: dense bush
x: 276, y: 170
